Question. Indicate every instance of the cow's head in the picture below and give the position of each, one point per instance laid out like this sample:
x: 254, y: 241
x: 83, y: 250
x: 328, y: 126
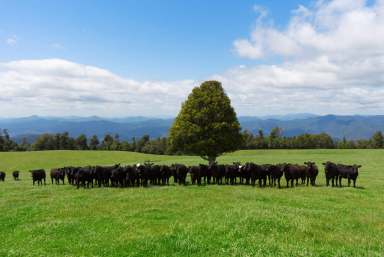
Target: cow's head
x: 328, y: 163
x: 310, y: 164
x: 356, y: 167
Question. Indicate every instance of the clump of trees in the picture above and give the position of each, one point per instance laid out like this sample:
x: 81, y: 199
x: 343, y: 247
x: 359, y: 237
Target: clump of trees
x: 62, y: 141
x: 6, y: 143
x: 275, y: 139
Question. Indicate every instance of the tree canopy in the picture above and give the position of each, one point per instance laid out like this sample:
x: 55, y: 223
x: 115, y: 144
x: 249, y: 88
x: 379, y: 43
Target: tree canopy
x: 207, y: 124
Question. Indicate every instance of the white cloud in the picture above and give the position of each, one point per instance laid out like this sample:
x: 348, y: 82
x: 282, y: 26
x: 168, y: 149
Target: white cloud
x: 317, y: 86
x: 333, y: 61
x: 11, y: 41
x: 60, y: 87
x: 338, y: 28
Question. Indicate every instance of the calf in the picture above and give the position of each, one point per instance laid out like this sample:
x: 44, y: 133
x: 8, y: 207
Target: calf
x: 39, y: 176
x: 331, y: 172
x: 15, y: 175
x: 2, y: 175
x: 349, y: 172
x: 311, y: 173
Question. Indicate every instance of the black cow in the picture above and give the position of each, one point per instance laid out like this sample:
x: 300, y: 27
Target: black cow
x: 231, y: 172
x: 180, y: 172
x: 165, y: 173
x: 276, y: 172
x: 70, y: 172
x: 218, y: 172
x: 144, y: 173
x: 257, y: 172
x: 84, y: 177
x: 132, y: 176
x: 16, y: 175
x: 39, y: 176
x: 155, y: 174
x: 331, y: 172
x: 311, y: 173
x: 244, y: 174
x: 57, y: 175
x: 205, y: 173
x: 195, y: 175
x: 102, y: 174
x: 267, y: 172
x: 119, y: 177
x: 2, y: 175
x: 294, y: 172
x: 349, y: 172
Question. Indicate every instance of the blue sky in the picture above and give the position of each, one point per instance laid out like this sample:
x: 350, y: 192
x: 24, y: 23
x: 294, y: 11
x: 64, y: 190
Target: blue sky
x: 141, y: 57
x: 142, y: 39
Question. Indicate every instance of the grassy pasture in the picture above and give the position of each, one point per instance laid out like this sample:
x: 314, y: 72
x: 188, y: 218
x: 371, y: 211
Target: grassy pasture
x: 192, y: 221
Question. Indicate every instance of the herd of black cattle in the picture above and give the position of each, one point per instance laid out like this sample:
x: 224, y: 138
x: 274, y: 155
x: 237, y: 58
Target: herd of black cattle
x: 150, y: 174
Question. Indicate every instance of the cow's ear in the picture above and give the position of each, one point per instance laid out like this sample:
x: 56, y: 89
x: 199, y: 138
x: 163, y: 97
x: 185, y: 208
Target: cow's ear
x: 358, y: 166
x: 324, y: 163
x: 306, y: 163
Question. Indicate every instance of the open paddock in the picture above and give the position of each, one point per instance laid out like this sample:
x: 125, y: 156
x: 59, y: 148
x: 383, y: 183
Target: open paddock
x: 225, y: 220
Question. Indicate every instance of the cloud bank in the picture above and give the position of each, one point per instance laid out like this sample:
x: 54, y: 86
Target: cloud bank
x: 60, y: 87
x: 331, y: 60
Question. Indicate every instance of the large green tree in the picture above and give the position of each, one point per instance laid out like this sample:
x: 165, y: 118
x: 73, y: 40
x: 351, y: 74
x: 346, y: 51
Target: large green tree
x: 207, y: 124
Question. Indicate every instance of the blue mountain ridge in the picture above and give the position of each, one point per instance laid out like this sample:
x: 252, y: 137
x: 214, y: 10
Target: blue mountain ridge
x: 351, y: 127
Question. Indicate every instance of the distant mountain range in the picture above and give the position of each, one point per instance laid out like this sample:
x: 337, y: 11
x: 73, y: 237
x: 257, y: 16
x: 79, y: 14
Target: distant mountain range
x: 352, y: 127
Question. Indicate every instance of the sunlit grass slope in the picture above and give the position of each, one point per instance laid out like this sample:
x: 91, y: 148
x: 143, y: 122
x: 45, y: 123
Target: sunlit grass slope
x: 192, y: 221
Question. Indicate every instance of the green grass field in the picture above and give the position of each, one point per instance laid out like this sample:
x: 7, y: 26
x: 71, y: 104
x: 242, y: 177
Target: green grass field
x: 192, y: 221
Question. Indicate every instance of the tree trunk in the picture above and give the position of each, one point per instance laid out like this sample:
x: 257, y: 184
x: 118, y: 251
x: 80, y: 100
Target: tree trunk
x: 211, y: 160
